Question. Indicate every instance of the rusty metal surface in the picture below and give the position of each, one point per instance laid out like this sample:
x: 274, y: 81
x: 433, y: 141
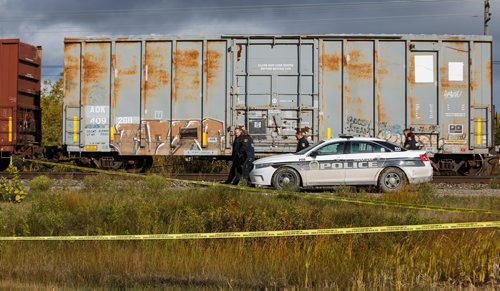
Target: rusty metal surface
x: 160, y: 95
x: 20, y: 118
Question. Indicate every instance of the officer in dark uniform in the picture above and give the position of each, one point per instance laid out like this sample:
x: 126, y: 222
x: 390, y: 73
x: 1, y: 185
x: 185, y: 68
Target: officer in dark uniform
x: 247, y: 156
x: 302, y: 141
x: 233, y: 177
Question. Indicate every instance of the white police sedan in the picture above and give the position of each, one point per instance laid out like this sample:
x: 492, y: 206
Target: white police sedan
x: 345, y: 161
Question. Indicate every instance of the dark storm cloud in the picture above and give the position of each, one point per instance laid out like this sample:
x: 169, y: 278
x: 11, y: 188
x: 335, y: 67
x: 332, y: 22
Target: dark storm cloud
x: 47, y: 22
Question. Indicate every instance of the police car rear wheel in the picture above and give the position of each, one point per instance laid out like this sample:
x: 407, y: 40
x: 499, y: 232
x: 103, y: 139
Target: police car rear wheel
x: 391, y: 180
x: 286, y: 178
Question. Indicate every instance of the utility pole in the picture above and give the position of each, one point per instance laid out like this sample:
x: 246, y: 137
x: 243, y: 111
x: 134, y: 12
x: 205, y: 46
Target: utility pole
x: 487, y: 16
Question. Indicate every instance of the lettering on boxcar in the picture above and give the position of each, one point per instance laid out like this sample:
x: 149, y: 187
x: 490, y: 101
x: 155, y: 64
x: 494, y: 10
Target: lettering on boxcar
x: 357, y: 125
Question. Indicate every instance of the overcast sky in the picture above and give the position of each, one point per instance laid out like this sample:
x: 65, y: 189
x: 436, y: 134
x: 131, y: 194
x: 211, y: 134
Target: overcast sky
x: 47, y: 22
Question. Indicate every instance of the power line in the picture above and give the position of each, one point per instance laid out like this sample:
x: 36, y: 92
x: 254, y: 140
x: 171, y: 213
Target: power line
x: 345, y: 20
x: 176, y: 10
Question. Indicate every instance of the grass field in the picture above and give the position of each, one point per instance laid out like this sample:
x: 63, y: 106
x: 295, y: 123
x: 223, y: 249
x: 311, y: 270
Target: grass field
x: 394, y: 260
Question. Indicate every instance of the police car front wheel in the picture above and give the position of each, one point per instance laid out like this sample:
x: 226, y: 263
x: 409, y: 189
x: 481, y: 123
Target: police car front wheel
x: 286, y: 178
x: 391, y: 180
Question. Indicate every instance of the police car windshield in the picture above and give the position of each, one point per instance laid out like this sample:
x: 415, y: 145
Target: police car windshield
x: 308, y: 148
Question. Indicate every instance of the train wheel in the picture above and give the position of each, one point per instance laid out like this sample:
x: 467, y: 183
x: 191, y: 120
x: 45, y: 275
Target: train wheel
x: 471, y: 168
x: 139, y: 164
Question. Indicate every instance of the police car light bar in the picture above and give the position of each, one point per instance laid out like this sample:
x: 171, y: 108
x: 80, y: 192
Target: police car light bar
x: 345, y: 136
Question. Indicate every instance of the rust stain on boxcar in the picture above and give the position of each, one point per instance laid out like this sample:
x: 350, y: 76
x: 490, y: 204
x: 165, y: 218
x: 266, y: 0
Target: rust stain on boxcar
x: 329, y: 62
x: 158, y: 74
x: 357, y: 104
x: 355, y: 67
x: 212, y: 65
x: 94, y: 66
x: 185, y: 61
x: 382, y: 116
x: 413, y: 114
x: 238, y: 52
x: 446, y: 84
x: 71, y: 67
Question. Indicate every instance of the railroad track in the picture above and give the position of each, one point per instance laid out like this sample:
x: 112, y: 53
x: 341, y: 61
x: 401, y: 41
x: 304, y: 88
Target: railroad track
x: 82, y: 175
x: 223, y: 176
x: 463, y: 179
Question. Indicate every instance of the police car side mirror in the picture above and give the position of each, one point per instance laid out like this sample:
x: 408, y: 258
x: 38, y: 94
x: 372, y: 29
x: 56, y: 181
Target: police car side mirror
x: 313, y: 154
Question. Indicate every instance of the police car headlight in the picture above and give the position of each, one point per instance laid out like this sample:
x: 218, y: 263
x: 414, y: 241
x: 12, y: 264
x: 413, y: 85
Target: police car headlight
x: 264, y: 165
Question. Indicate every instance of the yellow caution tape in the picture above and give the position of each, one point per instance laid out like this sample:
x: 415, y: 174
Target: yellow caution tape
x: 276, y: 192
x: 263, y: 234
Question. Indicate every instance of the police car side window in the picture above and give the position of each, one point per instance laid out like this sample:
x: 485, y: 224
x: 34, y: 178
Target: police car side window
x: 366, y: 147
x: 391, y: 146
x: 331, y: 149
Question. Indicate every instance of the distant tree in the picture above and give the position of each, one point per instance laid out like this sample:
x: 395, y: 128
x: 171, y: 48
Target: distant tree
x: 51, y: 103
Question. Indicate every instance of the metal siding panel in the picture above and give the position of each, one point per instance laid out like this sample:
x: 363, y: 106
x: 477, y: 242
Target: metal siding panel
x: 186, y: 99
x: 8, y: 94
x: 126, y: 97
x: 331, y: 89
x: 214, y: 101
x: 454, y: 96
x: 95, y: 96
x: 422, y: 98
x: 390, y: 90
x: 156, y: 99
x: 71, y: 101
x: 358, y: 88
x: 480, y: 102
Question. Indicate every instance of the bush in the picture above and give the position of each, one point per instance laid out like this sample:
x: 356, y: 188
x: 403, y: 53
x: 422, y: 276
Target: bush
x: 11, y: 187
x: 495, y: 183
x: 40, y: 184
x: 155, y: 184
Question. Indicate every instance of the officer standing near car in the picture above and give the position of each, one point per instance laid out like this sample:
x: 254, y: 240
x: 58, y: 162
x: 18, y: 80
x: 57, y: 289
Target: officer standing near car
x: 233, y: 177
x: 302, y: 142
x: 243, y: 156
x: 246, y: 156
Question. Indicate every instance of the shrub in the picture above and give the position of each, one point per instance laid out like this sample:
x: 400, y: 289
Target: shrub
x: 40, y: 184
x: 495, y: 183
x: 11, y: 187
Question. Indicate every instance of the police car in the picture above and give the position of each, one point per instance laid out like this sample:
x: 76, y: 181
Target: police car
x: 345, y: 161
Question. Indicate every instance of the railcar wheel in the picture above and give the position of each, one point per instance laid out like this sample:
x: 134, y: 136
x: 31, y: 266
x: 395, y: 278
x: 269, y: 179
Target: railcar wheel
x: 391, y: 180
x: 471, y: 168
x: 286, y: 178
x: 139, y: 164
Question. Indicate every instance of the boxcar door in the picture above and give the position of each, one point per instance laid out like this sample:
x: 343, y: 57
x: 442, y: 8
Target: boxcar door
x: 273, y: 91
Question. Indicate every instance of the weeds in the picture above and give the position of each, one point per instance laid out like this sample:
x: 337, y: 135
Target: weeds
x: 11, y: 187
x: 40, y: 184
x: 373, y: 261
x: 495, y: 183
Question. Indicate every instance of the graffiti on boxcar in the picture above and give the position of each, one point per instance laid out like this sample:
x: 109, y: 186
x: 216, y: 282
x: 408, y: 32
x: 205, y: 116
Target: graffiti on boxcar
x: 391, y: 132
x: 451, y: 94
x: 358, y: 126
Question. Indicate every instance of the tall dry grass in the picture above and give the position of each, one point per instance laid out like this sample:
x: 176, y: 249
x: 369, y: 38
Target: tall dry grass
x: 393, y: 260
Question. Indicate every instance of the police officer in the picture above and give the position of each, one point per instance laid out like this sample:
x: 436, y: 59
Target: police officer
x: 246, y: 155
x: 235, y: 166
x: 243, y: 156
x: 302, y: 141
x: 410, y: 142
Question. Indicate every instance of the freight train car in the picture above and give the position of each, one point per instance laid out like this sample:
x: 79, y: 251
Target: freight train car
x: 127, y: 99
x: 20, y: 115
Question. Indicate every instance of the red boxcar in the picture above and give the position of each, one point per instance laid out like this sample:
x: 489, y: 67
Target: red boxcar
x: 20, y: 114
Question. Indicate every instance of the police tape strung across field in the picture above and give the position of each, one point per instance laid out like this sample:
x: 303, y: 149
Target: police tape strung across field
x: 276, y: 192
x: 263, y: 234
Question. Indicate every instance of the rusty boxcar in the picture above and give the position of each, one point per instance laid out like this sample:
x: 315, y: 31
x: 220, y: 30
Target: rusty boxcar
x: 20, y: 116
x: 129, y: 98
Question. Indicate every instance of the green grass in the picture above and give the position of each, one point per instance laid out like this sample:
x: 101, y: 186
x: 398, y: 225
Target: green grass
x: 393, y: 260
